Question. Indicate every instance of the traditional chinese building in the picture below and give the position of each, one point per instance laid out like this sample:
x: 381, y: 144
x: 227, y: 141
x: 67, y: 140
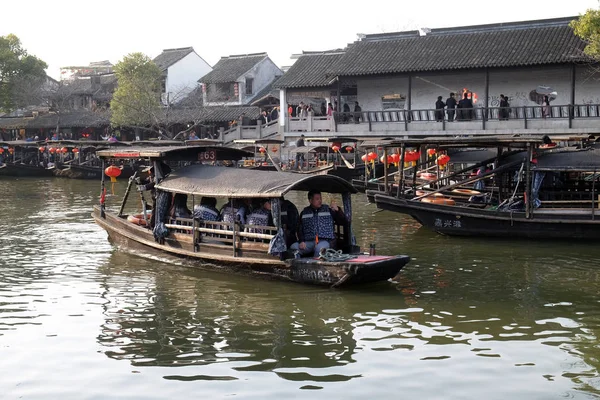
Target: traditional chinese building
x: 396, y: 79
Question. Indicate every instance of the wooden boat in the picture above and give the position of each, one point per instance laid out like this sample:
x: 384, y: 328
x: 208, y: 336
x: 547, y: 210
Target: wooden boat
x: 232, y: 247
x: 22, y: 159
x: 541, y: 194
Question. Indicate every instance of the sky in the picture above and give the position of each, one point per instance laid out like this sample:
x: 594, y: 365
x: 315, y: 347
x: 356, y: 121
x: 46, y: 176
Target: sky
x: 74, y: 33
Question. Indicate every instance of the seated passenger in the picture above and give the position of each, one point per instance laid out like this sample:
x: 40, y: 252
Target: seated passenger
x: 179, y: 208
x: 261, y: 216
x: 289, y: 222
x: 237, y: 207
x: 207, y: 210
x: 317, y: 225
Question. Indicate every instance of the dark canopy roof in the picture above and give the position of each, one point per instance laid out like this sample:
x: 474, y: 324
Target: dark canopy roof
x: 310, y: 70
x: 575, y: 160
x: 228, y: 69
x: 170, y: 56
x: 498, y: 45
x: 205, y: 180
x: 175, y: 153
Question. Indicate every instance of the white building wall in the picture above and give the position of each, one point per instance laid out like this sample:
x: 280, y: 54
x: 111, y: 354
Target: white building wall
x: 263, y: 74
x: 182, y: 77
x: 516, y: 84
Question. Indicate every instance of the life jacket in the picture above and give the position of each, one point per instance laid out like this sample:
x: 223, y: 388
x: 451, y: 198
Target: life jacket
x: 206, y: 213
x: 258, y: 217
x: 317, y: 222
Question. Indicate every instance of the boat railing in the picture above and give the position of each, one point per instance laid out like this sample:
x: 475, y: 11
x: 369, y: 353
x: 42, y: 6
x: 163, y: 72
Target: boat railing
x: 222, y: 231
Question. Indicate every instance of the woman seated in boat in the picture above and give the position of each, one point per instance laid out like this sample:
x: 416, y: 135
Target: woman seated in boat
x: 179, y: 208
x: 235, y: 211
x: 207, y: 210
x: 260, y: 216
x: 317, y: 226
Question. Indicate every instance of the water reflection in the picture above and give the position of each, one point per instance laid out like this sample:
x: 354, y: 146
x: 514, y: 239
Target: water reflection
x: 467, y: 318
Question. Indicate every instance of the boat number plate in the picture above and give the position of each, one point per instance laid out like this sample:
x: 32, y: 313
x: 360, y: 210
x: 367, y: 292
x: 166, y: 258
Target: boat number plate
x: 210, y: 155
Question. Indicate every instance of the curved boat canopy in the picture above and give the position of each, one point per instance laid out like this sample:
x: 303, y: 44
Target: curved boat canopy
x: 206, y: 180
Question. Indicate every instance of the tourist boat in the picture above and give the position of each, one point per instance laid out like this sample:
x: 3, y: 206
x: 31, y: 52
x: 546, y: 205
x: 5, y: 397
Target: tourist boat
x: 22, y: 159
x: 541, y: 190
x: 332, y: 156
x: 233, y: 247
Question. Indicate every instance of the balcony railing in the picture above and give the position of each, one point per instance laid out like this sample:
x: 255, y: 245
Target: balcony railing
x: 250, y: 131
x: 478, y: 116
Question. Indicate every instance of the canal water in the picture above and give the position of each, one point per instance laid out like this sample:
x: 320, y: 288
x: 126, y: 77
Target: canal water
x: 466, y: 319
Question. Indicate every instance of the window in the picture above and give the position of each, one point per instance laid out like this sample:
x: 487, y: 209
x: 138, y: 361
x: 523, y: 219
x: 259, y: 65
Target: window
x: 393, y: 102
x: 249, y: 84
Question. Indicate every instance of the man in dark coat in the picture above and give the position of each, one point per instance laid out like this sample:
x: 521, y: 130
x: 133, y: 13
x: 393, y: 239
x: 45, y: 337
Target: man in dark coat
x: 439, y: 109
x: 451, y: 107
x: 466, y: 108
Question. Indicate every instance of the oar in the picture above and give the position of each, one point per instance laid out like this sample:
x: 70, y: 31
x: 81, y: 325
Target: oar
x: 131, y: 180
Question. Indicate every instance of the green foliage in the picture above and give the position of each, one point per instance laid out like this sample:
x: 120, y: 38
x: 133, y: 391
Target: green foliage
x: 136, y: 102
x: 16, y: 67
x: 587, y: 27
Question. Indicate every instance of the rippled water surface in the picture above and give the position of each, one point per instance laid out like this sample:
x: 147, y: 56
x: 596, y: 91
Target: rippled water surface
x: 466, y: 319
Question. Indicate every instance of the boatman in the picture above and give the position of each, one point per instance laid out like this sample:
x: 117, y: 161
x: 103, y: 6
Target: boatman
x: 317, y: 225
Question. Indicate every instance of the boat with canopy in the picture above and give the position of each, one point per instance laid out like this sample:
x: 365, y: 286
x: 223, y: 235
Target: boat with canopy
x: 235, y: 246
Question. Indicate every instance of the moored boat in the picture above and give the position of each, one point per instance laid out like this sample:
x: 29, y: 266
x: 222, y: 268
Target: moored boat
x: 256, y: 250
x: 537, y: 191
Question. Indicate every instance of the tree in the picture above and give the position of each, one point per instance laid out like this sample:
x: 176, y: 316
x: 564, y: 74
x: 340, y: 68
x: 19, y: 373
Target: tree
x: 17, y: 67
x: 136, y: 102
x: 587, y: 27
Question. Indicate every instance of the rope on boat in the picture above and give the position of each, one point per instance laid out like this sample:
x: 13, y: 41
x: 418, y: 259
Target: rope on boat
x: 332, y: 255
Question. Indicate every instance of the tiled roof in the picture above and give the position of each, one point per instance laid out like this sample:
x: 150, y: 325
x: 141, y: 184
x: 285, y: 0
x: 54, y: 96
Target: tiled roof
x: 170, y: 56
x: 79, y: 119
x: 310, y: 70
x: 228, y: 69
x: 499, y: 45
x: 210, y: 114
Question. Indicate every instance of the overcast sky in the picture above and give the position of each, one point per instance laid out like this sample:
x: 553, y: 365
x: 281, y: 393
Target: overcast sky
x: 76, y: 32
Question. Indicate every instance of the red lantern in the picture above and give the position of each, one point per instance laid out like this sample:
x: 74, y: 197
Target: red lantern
x: 11, y: 150
x: 64, y: 150
x: 349, y: 149
x: 1, y: 150
x: 335, y: 148
x: 262, y: 150
x: 395, y: 158
x: 42, y: 149
x: 52, y: 150
x: 372, y: 156
x: 75, y: 150
x: 113, y: 172
x: 390, y: 159
x: 431, y: 152
x: 274, y: 149
x: 442, y: 160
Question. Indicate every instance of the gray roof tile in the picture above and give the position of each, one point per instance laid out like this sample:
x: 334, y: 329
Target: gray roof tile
x: 228, y: 69
x: 310, y: 70
x: 499, y: 45
x: 170, y: 56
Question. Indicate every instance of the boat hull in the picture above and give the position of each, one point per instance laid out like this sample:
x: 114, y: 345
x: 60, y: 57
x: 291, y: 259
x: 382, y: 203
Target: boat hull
x: 88, y: 172
x: 461, y: 221
x: 24, y: 170
x: 361, y: 270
